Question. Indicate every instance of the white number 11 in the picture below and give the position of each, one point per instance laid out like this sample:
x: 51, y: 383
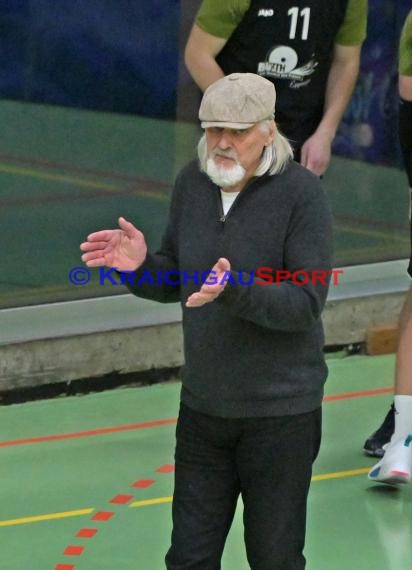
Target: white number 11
x: 294, y: 14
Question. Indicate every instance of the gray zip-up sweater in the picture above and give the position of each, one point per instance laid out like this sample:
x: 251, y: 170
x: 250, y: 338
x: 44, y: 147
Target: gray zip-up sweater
x: 257, y: 349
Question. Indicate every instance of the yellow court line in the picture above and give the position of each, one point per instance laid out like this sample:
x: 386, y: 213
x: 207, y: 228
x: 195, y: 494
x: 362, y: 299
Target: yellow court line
x: 78, y: 181
x: 58, y: 178
x: 372, y: 233
x: 52, y: 516
x: 96, y: 184
x: 159, y: 500
x: 152, y: 195
x: 341, y: 474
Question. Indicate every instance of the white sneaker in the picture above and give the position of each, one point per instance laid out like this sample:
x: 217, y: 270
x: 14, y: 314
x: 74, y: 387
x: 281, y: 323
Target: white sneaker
x: 396, y: 465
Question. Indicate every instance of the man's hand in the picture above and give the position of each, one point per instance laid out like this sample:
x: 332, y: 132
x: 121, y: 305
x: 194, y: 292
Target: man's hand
x: 316, y: 152
x: 124, y: 249
x: 209, y: 293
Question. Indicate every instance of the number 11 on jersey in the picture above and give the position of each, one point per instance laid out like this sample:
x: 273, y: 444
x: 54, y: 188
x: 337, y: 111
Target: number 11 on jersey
x: 294, y: 15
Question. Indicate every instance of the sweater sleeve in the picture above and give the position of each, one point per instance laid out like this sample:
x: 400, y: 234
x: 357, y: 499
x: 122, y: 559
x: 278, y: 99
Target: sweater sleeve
x: 290, y: 304
x: 158, y: 277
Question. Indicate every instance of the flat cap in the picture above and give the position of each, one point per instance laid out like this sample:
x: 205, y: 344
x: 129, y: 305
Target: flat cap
x: 237, y: 101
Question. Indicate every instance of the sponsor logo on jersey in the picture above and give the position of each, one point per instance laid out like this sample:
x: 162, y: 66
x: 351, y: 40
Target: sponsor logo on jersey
x: 266, y: 12
x: 281, y: 63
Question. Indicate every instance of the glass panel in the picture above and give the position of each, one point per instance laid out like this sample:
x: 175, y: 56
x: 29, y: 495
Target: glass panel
x: 98, y: 115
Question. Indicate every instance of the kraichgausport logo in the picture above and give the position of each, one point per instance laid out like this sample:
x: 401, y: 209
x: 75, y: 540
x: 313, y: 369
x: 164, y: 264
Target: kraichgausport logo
x: 262, y: 276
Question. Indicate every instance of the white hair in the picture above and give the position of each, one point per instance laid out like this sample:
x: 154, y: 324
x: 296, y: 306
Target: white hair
x: 274, y: 158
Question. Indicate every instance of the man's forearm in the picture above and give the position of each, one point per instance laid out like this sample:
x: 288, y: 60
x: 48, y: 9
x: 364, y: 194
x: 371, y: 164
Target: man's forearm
x: 156, y: 279
x: 204, y: 71
x: 200, y: 57
x: 341, y: 82
x: 278, y: 306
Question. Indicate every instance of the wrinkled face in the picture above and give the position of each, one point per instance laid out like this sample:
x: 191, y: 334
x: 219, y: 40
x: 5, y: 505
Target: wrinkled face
x: 235, y: 154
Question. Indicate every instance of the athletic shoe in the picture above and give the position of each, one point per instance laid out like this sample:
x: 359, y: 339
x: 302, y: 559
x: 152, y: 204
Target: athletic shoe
x: 374, y: 445
x: 396, y: 466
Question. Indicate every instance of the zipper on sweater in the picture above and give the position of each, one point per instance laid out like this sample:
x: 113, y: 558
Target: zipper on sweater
x: 222, y: 216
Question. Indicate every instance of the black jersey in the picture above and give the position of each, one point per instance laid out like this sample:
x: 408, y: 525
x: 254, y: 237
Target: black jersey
x: 291, y: 43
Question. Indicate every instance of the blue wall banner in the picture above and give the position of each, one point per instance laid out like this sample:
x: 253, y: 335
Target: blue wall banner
x: 125, y: 56
x: 369, y: 129
x: 113, y: 55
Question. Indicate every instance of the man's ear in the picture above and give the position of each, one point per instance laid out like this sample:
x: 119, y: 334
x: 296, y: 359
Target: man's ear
x: 271, y: 134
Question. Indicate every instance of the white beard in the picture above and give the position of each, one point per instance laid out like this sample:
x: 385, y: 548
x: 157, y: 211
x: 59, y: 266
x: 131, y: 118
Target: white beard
x: 223, y: 176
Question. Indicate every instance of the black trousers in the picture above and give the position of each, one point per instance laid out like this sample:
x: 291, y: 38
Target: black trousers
x: 266, y: 460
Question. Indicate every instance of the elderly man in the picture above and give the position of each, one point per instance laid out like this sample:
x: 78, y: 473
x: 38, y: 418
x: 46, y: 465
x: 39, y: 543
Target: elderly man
x: 252, y: 385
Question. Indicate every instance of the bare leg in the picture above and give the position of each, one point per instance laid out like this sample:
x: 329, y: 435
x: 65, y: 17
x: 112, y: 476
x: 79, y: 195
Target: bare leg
x: 403, y: 382
x: 396, y: 465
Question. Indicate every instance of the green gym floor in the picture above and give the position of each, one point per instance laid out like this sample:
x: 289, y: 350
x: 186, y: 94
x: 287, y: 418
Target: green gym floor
x: 86, y: 481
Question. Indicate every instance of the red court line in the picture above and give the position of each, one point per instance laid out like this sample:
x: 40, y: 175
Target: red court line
x: 87, y: 433
x: 384, y: 225
x: 362, y: 394
x: 166, y: 469
x: 68, y: 167
x: 121, y: 499
x: 150, y: 184
x: 102, y: 516
x: 26, y: 202
x: 75, y: 550
x: 143, y: 483
x: 87, y: 532
x: 72, y: 550
x: 158, y: 423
